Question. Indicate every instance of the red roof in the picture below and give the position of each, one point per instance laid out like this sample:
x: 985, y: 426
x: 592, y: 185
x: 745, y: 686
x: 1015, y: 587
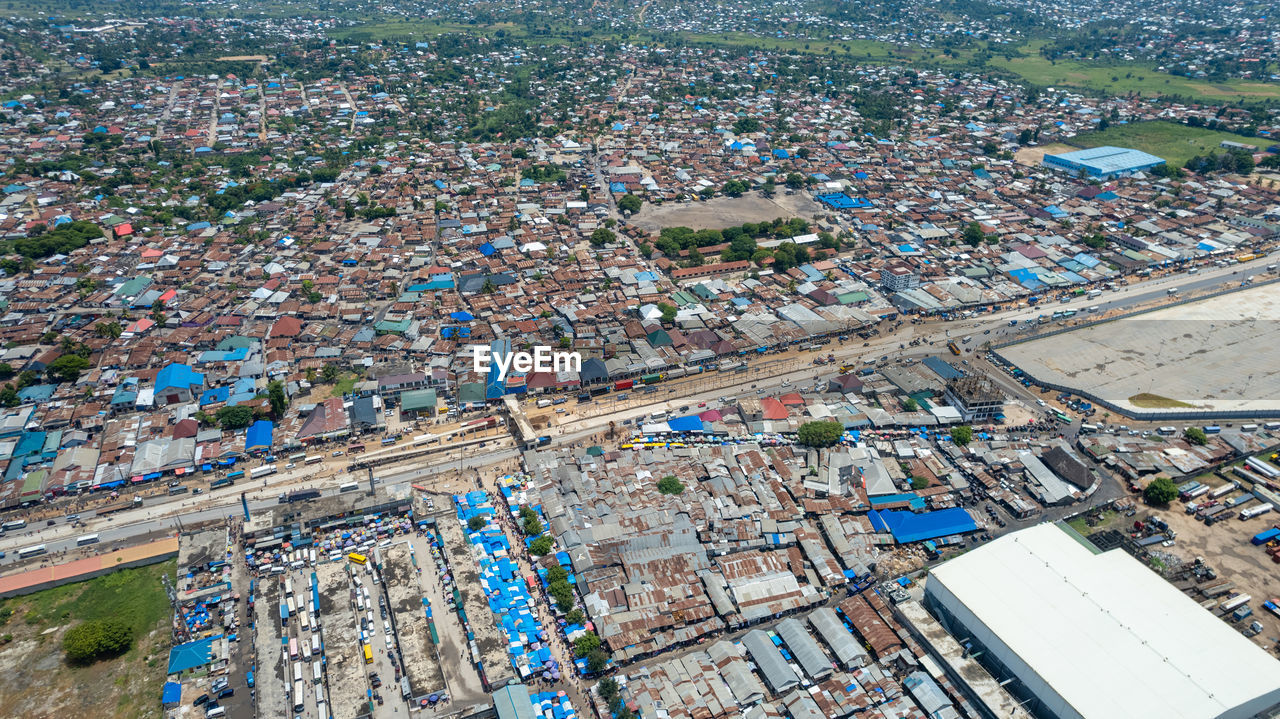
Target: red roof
x: 287, y: 327
x: 773, y: 409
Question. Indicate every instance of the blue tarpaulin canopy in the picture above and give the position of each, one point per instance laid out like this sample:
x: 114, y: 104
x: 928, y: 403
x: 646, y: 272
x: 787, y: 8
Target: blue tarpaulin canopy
x: 172, y: 693
x: 461, y: 316
x: 691, y: 423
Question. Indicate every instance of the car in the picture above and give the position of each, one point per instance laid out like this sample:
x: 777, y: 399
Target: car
x: 337, y: 453
x: 200, y: 700
x: 290, y: 465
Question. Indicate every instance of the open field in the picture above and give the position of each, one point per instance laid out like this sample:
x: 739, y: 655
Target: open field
x: 723, y: 212
x: 38, y: 683
x: 1201, y: 353
x: 1174, y: 142
x: 1128, y: 78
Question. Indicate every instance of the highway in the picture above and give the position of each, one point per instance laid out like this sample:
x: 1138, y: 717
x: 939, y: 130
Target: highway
x: 162, y: 515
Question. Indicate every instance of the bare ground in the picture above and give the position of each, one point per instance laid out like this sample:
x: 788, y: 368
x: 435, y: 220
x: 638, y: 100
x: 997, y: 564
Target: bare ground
x: 722, y: 212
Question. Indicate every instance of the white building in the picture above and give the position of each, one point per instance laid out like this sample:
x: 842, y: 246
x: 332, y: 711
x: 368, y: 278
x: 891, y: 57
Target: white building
x: 1097, y: 636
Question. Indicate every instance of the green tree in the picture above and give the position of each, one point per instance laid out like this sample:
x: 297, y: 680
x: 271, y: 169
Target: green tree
x: 275, y: 393
x: 602, y: 236
x: 97, y: 639
x: 476, y: 523
x: 6, y: 370
x: 583, y: 645
x: 1162, y: 490
x: 919, y: 483
x: 670, y: 485
x: 330, y: 373
x: 911, y: 405
x: 67, y: 368
x: 668, y: 312
x: 541, y: 545
x: 237, y: 417
x: 598, y: 661
x: 629, y: 203
x: 574, y: 616
x: 795, y: 180
x: 962, y: 434
x: 973, y: 234
x: 1195, y: 435
x: 557, y: 574
x: 820, y: 434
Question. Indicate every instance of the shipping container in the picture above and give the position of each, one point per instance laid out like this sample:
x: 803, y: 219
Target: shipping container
x: 1236, y: 601
x: 1265, y: 536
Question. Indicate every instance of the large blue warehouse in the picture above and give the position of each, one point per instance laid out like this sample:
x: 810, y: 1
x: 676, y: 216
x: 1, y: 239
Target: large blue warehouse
x: 1103, y: 162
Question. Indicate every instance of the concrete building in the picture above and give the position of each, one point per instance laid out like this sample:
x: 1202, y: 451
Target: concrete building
x: 896, y: 278
x: 1094, y: 635
x: 1103, y: 163
x: 975, y: 396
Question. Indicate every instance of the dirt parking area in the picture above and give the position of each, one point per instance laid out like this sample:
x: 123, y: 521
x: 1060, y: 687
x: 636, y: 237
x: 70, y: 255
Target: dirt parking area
x: 342, y: 648
x: 1226, y: 548
x: 722, y: 212
x: 1031, y: 156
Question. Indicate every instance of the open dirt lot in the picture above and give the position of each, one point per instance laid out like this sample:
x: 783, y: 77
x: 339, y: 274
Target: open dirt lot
x: 1031, y: 156
x: 1225, y: 546
x: 1206, y: 354
x: 722, y: 212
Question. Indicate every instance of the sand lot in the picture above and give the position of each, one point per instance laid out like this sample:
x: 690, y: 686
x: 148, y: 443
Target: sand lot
x: 722, y: 212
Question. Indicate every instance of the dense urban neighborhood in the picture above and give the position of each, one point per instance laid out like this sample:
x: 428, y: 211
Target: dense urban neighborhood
x: 591, y: 360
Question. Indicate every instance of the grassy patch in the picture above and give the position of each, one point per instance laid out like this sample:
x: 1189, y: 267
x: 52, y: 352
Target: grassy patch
x: 346, y: 385
x: 1155, y: 401
x: 40, y: 683
x: 1175, y: 142
x: 1128, y: 78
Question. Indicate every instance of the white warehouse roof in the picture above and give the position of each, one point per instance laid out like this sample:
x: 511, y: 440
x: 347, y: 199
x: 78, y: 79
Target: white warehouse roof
x: 1105, y: 634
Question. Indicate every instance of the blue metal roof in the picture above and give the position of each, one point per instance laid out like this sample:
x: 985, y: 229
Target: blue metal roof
x: 179, y: 376
x: 1109, y: 159
x: 258, y: 436
x: 916, y: 527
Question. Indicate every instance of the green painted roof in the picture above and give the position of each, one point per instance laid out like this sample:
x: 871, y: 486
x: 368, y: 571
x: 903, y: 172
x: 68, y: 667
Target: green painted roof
x: 418, y: 399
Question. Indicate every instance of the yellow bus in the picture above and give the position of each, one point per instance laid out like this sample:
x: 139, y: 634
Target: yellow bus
x: 368, y: 654
x: 357, y: 558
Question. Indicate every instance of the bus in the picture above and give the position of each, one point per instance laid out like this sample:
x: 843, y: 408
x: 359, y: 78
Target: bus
x: 293, y: 650
x: 233, y: 476
x: 298, y: 705
x: 348, y: 487
x: 15, y: 524
x: 299, y: 457
x: 390, y: 441
x: 315, y: 644
x: 86, y: 539
x: 368, y: 654
x: 315, y: 673
x: 180, y: 489
x: 288, y: 587
x: 1061, y: 417
x: 954, y: 349
x: 355, y: 449
x: 314, y: 459
x: 34, y: 551
x: 221, y: 482
x: 357, y: 558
